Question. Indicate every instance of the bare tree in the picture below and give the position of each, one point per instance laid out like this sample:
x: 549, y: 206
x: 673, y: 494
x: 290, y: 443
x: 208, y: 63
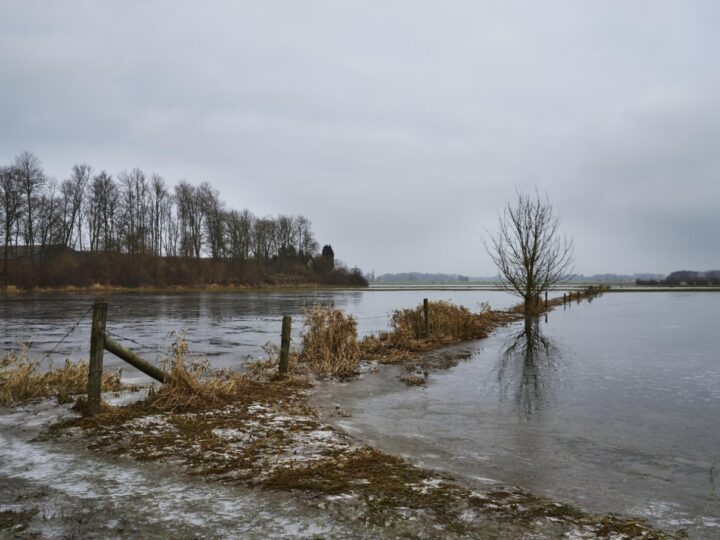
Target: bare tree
x: 72, y: 191
x: 31, y: 180
x: 48, y: 221
x: 101, y: 212
x: 160, y: 198
x: 240, y: 234
x: 528, y: 250
x: 10, y: 208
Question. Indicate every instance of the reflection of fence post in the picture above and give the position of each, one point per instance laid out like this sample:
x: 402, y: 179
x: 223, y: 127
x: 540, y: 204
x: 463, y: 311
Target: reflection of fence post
x: 426, y: 313
x: 97, y: 339
x: 285, y: 344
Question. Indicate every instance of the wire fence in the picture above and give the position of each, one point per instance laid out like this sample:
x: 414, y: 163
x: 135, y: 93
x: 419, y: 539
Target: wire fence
x: 72, y: 328
x: 161, y: 350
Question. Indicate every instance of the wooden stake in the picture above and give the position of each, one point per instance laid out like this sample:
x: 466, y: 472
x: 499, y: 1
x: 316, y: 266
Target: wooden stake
x: 426, y: 313
x: 97, y: 339
x: 285, y: 344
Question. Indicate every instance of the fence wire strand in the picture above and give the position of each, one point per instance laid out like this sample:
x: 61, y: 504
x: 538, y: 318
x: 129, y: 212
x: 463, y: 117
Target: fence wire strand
x: 67, y: 334
x: 142, y: 346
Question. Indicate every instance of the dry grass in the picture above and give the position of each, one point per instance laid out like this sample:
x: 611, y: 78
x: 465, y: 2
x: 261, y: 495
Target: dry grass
x: 414, y: 379
x: 577, y: 295
x: 259, y: 430
x: 21, y: 380
x: 330, y: 345
x: 449, y: 323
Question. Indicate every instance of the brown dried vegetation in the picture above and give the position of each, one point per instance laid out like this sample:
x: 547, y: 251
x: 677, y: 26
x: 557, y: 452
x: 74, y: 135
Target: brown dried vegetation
x: 21, y: 380
x: 258, y: 430
x: 330, y: 345
x: 449, y: 324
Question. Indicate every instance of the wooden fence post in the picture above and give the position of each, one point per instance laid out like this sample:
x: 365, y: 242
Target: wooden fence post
x: 285, y: 344
x: 546, y: 299
x: 426, y: 313
x: 97, y: 337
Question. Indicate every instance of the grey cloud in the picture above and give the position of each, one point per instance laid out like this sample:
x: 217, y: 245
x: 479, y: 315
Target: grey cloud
x: 398, y: 128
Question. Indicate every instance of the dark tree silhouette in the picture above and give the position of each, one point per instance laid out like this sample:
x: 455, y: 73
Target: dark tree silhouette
x: 528, y: 250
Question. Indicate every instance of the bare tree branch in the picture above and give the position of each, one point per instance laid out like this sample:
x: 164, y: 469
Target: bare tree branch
x: 528, y: 250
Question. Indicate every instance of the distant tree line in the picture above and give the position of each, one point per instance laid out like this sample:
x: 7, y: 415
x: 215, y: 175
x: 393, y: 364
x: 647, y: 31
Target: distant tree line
x: 423, y: 277
x: 686, y: 277
x: 135, y: 229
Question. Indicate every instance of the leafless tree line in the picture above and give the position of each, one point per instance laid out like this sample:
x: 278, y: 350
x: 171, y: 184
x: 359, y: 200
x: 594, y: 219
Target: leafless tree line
x: 137, y: 214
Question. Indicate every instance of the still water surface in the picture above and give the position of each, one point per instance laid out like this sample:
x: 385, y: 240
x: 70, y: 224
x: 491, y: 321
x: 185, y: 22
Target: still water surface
x: 612, y: 405
x: 225, y: 327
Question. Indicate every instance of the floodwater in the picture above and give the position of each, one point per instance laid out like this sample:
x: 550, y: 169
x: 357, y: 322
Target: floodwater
x: 612, y: 405
x: 227, y: 328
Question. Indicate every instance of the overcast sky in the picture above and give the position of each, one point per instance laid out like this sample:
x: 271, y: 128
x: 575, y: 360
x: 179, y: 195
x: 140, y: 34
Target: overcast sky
x: 400, y: 129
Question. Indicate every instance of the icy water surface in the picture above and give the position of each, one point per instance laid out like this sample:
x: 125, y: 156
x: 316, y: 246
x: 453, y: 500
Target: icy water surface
x: 74, y: 493
x: 225, y: 327
x: 613, y: 406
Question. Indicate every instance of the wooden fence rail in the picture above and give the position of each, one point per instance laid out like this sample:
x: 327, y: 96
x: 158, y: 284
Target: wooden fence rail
x: 100, y: 342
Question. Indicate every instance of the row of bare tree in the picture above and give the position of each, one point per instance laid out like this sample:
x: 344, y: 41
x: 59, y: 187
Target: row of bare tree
x: 137, y: 214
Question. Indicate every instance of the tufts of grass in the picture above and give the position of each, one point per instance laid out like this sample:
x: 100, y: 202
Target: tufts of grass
x: 16, y: 521
x: 260, y: 431
x: 21, y: 380
x: 192, y: 386
x: 413, y: 379
x: 449, y: 323
x: 330, y: 345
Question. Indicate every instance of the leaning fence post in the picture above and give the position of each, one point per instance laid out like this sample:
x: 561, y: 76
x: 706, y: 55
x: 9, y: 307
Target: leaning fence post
x: 96, y: 356
x: 285, y: 344
x: 426, y: 314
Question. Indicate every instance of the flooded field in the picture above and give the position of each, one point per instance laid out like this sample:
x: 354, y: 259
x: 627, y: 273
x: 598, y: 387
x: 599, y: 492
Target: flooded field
x: 225, y: 327
x: 611, y: 405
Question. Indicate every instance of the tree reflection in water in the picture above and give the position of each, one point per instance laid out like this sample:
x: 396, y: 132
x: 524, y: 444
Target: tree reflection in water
x: 527, y: 369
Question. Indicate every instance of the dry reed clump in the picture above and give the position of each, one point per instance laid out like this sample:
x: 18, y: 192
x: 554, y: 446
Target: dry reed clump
x: 193, y: 386
x: 330, y: 345
x: 22, y: 381
x: 448, y: 324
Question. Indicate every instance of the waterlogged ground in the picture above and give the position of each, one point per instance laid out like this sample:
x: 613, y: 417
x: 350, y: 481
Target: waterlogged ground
x: 612, y: 406
x: 51, y: 489
x: 226, y: 327
x: 321, y: 485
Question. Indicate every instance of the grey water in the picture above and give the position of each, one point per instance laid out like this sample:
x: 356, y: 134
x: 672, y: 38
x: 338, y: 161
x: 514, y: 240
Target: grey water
x: 612, y: 405
x: 225, y: 327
